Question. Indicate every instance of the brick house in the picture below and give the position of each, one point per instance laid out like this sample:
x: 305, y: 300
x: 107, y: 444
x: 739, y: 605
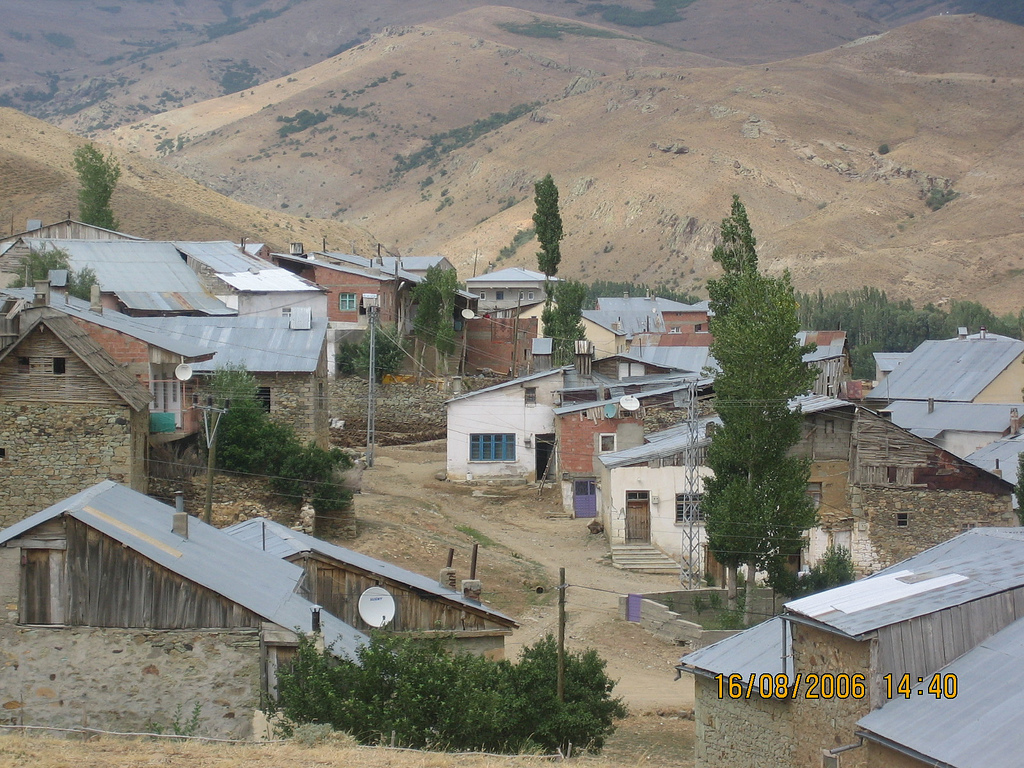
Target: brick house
x: 69, y: 416
x: 120, y: 609
x: 895, y: 631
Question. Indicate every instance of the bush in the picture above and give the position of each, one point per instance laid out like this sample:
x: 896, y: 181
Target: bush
x: 430, y: 698
x: 883, y: 149
x: 833, y: 570
x: 939, y: 197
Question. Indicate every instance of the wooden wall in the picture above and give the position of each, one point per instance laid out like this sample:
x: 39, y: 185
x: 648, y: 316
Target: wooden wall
x: 39, y: 382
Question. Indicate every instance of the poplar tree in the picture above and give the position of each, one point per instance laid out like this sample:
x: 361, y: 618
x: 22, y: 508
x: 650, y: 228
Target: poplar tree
x: 548, y: 223
x: 97, y: 178
x: 434, y: 324
x: 756, y: 505
x: 563, y: 320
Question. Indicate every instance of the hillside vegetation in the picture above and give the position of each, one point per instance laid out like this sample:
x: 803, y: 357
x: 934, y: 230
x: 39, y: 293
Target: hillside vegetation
x: 893, y: 162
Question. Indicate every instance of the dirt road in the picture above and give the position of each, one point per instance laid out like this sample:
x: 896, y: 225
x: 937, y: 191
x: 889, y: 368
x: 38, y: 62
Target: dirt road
x: 521, y: 548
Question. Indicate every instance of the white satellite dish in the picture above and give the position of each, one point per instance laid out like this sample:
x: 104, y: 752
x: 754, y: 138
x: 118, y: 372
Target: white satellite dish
x: 629, y: 403
x: 376, y: 606
x: 469, y: 314
x: 183, y: 372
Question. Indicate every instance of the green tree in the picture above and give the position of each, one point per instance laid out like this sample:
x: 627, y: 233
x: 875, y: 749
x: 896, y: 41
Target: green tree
x: 833, y: 570
x: 429, y: 697
x: 38, y: 264
x: 563, y: 320
x: 756, y: 503
x: 434, y: 324
x: 97, y: 178
x: 354, y: 358
x: 548, y: 223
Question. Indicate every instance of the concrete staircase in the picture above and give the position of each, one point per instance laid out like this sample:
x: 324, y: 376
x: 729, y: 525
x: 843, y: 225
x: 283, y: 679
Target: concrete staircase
x: 644, y: 558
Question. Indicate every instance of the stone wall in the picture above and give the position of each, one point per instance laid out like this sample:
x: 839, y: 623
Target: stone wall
x: 670, y: 626
x: 298, y: 401
x: 932, y: 517
x: 753, y: 733
x: 879, y: 756
x: 52, y: 451
x: 405, y: 412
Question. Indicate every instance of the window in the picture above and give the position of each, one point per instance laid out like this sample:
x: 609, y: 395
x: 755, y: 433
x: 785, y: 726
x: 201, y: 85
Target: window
x: 530, y: 395
x: 814, y: 491
x: 24, y: 365
x: 263, y: 398
x: 688, y: 507
x: 492, y: 447
x: 891, y: 475
x: 499, y: 295
x: 3, y: 453
x: 483, y: 295
x: 606, y: 443
x: 902, y: 519
x: 830, y: 426
x: 530, y: 295
x: 698, y: 327
x: 963, y: 526
x: 347, y: 302
x: 59, y: 366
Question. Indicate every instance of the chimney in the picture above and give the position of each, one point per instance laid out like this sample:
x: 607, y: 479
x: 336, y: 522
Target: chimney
x: 42, y: 293
x: 447, y: 577
x: 961, y: 332
x: 1014, y: 422
x: 584, y: 357
x: 180, y: 524
x: 314, y: 622
x: 295, y: 249
x: 472, y: 589
x: 981, y: 331
x: 95, y: 305
x: 931, y: 405
x: 997, y: 471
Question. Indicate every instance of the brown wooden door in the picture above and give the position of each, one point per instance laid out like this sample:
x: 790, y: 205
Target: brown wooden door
x: 638, y: 518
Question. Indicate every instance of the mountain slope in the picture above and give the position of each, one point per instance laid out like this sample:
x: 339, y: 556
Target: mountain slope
x: 37, y: 181
x: 647, y: 156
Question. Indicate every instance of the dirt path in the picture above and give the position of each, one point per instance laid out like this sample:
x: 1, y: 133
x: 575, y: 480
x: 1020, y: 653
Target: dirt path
x: 521, y: 548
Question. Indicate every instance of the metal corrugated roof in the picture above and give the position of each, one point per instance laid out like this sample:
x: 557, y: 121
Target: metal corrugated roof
x: 694, y: 359
x: 667, y: 442
x: 958, y: 417
x: 630, y: 321
x: 510, y: 383
x: 979, y: 727
x: 754, y: 651
x: 510, y: 275
x: 283, y: 542
x: 951, y: 369
x: 209, y: 557
x: 1006, y: 452
x: 144, y: 275
x: 221, y: 255
x: 886, y: 362
x: 975, y: 564
x: 830, y: 344
x: 645, y: 305
x: 261, y: 344
x: 270, y: 280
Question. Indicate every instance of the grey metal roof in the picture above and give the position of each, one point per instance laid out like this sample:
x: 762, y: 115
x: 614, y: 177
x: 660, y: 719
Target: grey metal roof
x: 1006, y: 452
x: 645, y: 304
x: 385, y: 265
x: 951, y: 369
x: 209, y: 557
x: 830, y: 344
x: 681, y: 358
x: 754, y: 651
x: 978, y: 728
x: 630, y: 321
x: 344, y: 267
x: 242, y: 271
x: 261, y: 344
x: 956, y: 417
x: 975, y: 564
x: 283, y: 542
x: 145, y: 275
x: 510, y: 383
x: 649, y: 386
x: 510, y: 275
x: 886, y: 362
x: 667, y: 442
x: 117, y: 321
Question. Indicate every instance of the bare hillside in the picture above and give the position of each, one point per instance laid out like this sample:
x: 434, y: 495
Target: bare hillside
x: 37, y: 181
x: 418, y: 136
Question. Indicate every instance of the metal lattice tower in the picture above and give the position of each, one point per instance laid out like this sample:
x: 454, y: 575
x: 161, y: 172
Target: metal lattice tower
x: 690, y: 566
x: 371, y: 405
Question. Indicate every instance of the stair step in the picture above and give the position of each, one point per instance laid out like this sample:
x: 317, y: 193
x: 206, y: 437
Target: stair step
x: 643, y: 558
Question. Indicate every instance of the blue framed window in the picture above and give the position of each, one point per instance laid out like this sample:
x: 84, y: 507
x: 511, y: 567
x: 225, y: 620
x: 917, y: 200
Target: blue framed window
x: 492, y: 447
x: 347, y: 302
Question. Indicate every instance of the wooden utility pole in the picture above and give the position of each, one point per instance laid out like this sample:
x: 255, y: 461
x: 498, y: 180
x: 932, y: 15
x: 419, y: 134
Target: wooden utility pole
x: 561, y: 634
x: 211, y: 423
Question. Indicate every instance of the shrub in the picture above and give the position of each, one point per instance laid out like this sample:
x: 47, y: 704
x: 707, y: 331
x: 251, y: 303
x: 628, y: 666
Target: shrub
x: 939, y: 197
x: 883, y: 149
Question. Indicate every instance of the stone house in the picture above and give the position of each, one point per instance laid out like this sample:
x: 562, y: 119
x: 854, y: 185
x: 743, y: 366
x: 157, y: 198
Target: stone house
x: 881, y: 492
x: 120, y: 609
x: 337, y: 577
x: 858, y: 657
x: 69, y: 416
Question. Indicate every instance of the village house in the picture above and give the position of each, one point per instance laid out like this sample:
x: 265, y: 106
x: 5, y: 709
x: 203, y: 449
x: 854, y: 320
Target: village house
x: 959, y: 428
x: 69, y: 414
x: 500, y: 344
x: 337, y: 577
x: 137, y: 277
x: 971, y: 368
x: 509, y: 289
x: 120, y: 609
x: 868, y: 666
x: 881, y: 492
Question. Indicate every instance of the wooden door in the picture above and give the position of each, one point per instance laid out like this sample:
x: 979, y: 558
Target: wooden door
x: 638, y: 517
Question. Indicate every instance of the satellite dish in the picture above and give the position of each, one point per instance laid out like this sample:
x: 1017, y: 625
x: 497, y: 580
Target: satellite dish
x: 376, y: 606
x: 469, y: 314
x: 629, y: 403
x: 183, y: 372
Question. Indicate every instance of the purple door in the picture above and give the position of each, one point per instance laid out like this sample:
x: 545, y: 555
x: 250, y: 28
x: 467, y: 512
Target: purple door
x: 584, y: 498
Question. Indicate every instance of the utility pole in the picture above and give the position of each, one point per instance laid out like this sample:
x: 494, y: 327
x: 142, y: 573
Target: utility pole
x: 561, y: 634
x: 372, y: 303
x: 211, y: 449
x: 690, y: 570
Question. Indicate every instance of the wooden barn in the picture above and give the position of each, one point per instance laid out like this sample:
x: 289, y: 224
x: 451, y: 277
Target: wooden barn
x: 337, y: 577
x: 120, y: 610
